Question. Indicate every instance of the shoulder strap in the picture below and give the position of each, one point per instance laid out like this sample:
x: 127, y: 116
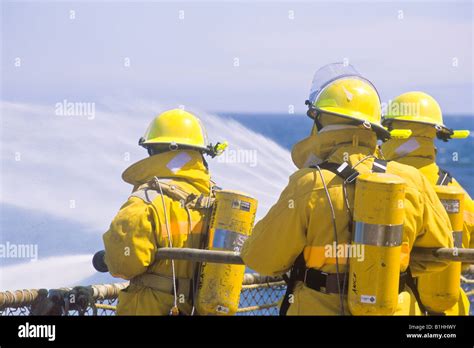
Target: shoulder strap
x: 344, y: 170
x: 145, y: 193
x: 379, y: 166
x: 150, y: 190
x: 444, y: 177
x: 349, y: 174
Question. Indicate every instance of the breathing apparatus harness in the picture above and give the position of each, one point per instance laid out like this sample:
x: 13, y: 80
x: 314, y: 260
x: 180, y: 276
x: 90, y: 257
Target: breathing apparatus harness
x: 218, y: 209
x: 336, y: 282
x: 156, y: 186
x: 148, y: 192
x: 316, y: 279
x: 444, y: 177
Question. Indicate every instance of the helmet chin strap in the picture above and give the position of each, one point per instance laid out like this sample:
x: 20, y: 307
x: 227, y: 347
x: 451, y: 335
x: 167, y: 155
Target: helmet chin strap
x: 314, y: 114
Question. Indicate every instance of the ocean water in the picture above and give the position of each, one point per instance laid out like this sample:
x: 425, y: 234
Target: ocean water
x: 455, y: 156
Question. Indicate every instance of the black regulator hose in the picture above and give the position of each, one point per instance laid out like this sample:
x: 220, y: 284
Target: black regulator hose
x: 99, y: 263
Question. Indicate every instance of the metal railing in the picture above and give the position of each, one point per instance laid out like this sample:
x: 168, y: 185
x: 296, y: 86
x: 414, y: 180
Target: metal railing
x: 260, y: 294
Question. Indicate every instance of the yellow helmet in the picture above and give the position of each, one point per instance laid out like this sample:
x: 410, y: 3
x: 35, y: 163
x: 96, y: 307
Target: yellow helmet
x: 338, y: 89
x: 416, y: 107
x: 176, y: 128
x: 420, y: 108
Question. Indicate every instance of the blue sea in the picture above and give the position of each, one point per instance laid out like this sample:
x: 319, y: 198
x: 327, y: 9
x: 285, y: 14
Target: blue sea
x: 455, y: 156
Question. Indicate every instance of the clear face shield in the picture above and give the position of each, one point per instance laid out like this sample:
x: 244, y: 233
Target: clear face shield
x: 323, y: 78
x: 330, y: 73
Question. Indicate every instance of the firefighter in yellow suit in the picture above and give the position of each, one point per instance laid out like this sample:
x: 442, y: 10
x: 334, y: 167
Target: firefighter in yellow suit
x: 154, y: 216
x: 422, y: 114
x: 347, y: 113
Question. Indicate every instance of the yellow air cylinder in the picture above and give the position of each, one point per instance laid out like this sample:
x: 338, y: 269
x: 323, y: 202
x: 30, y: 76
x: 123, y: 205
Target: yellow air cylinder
x: 232, y: 219
x: 378, y: 227
x: 440, y: 291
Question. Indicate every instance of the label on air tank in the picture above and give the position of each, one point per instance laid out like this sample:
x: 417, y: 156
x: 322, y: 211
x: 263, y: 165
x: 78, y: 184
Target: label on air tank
x: 451, y: 205
x: 222, y: 309
x: 368, y: 299
x: 228, y: 240
x: 242, y: 205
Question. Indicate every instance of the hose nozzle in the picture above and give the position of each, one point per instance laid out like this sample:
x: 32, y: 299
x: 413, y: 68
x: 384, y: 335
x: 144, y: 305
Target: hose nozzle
x: 98, y: 261
x: 218, y: 149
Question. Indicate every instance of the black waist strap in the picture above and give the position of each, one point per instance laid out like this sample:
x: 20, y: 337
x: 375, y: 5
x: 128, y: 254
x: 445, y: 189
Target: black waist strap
x: 327, y: 282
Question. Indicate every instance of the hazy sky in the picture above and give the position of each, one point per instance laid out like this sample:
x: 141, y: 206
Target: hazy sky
x: 233, y: 56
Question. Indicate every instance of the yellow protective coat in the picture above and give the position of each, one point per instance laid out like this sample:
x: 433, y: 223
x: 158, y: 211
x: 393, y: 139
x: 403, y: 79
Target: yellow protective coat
x: 301, y: 219
x: 419, y: 151
x: 139, y: 230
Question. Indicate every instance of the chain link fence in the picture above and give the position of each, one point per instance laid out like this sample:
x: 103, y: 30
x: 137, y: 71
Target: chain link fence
x: 260, y: 296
